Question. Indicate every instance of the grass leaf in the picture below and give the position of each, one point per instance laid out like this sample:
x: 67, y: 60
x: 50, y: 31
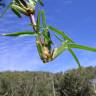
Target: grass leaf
x: 27, y: 33
x: 81, y: 47
x: 43, y: 19
x: 41, y: 13
x: 38, y: 20
x: 60, y: 50
x: 16, y: 12
x: 58, y: 38
x: 60, y: 33
x: 41, y: 2
x: 20, y: 9
x: 75, y: 57
x: 39, y: 47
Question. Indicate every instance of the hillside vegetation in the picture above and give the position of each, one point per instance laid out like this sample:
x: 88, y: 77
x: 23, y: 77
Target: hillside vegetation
x: 70, y: 83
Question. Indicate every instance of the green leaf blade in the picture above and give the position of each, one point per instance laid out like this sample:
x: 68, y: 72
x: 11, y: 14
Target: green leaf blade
x: 38, y: 20
x: 82, y: 47
x: 16, y: 12
x: 41, y: 14
x: 60, y: 33
x: 20, y: 9
x: 39, y: 48
x: 58, y: 38
x: 60, y: 50
x: 41, y: 2
x: 75, y: 57
x: 17, y: 34
x: 43, y: 19
x: 17, y: 2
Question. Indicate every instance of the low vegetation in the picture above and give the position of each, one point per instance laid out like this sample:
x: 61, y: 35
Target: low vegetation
x: 70, y: 83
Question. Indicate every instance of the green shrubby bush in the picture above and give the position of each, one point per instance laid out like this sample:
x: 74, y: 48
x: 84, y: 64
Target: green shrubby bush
x: 70, y: 83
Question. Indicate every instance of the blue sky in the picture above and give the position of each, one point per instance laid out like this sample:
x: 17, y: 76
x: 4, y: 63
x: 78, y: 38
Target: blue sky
x: 77, y: 18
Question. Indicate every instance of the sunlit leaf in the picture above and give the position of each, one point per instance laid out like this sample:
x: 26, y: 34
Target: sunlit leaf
x: 39, y: 47
x: 81, y: 47
x: 38, y: 20
x: 60, y: 50
x: 43, y: 19
x: 27, y: 33
x: 75, y: 57
x: 41, y: 14
x: 32, y: 3
x: 16, y: 12
x: 45, y: 33
x: 47, y: 39
x: 45, y: 36
x: 58, y: 38
x: 60, y: 33
x: 20, y: 9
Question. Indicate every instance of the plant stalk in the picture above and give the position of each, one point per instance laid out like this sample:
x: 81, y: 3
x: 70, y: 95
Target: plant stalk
x: 33, y: 21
